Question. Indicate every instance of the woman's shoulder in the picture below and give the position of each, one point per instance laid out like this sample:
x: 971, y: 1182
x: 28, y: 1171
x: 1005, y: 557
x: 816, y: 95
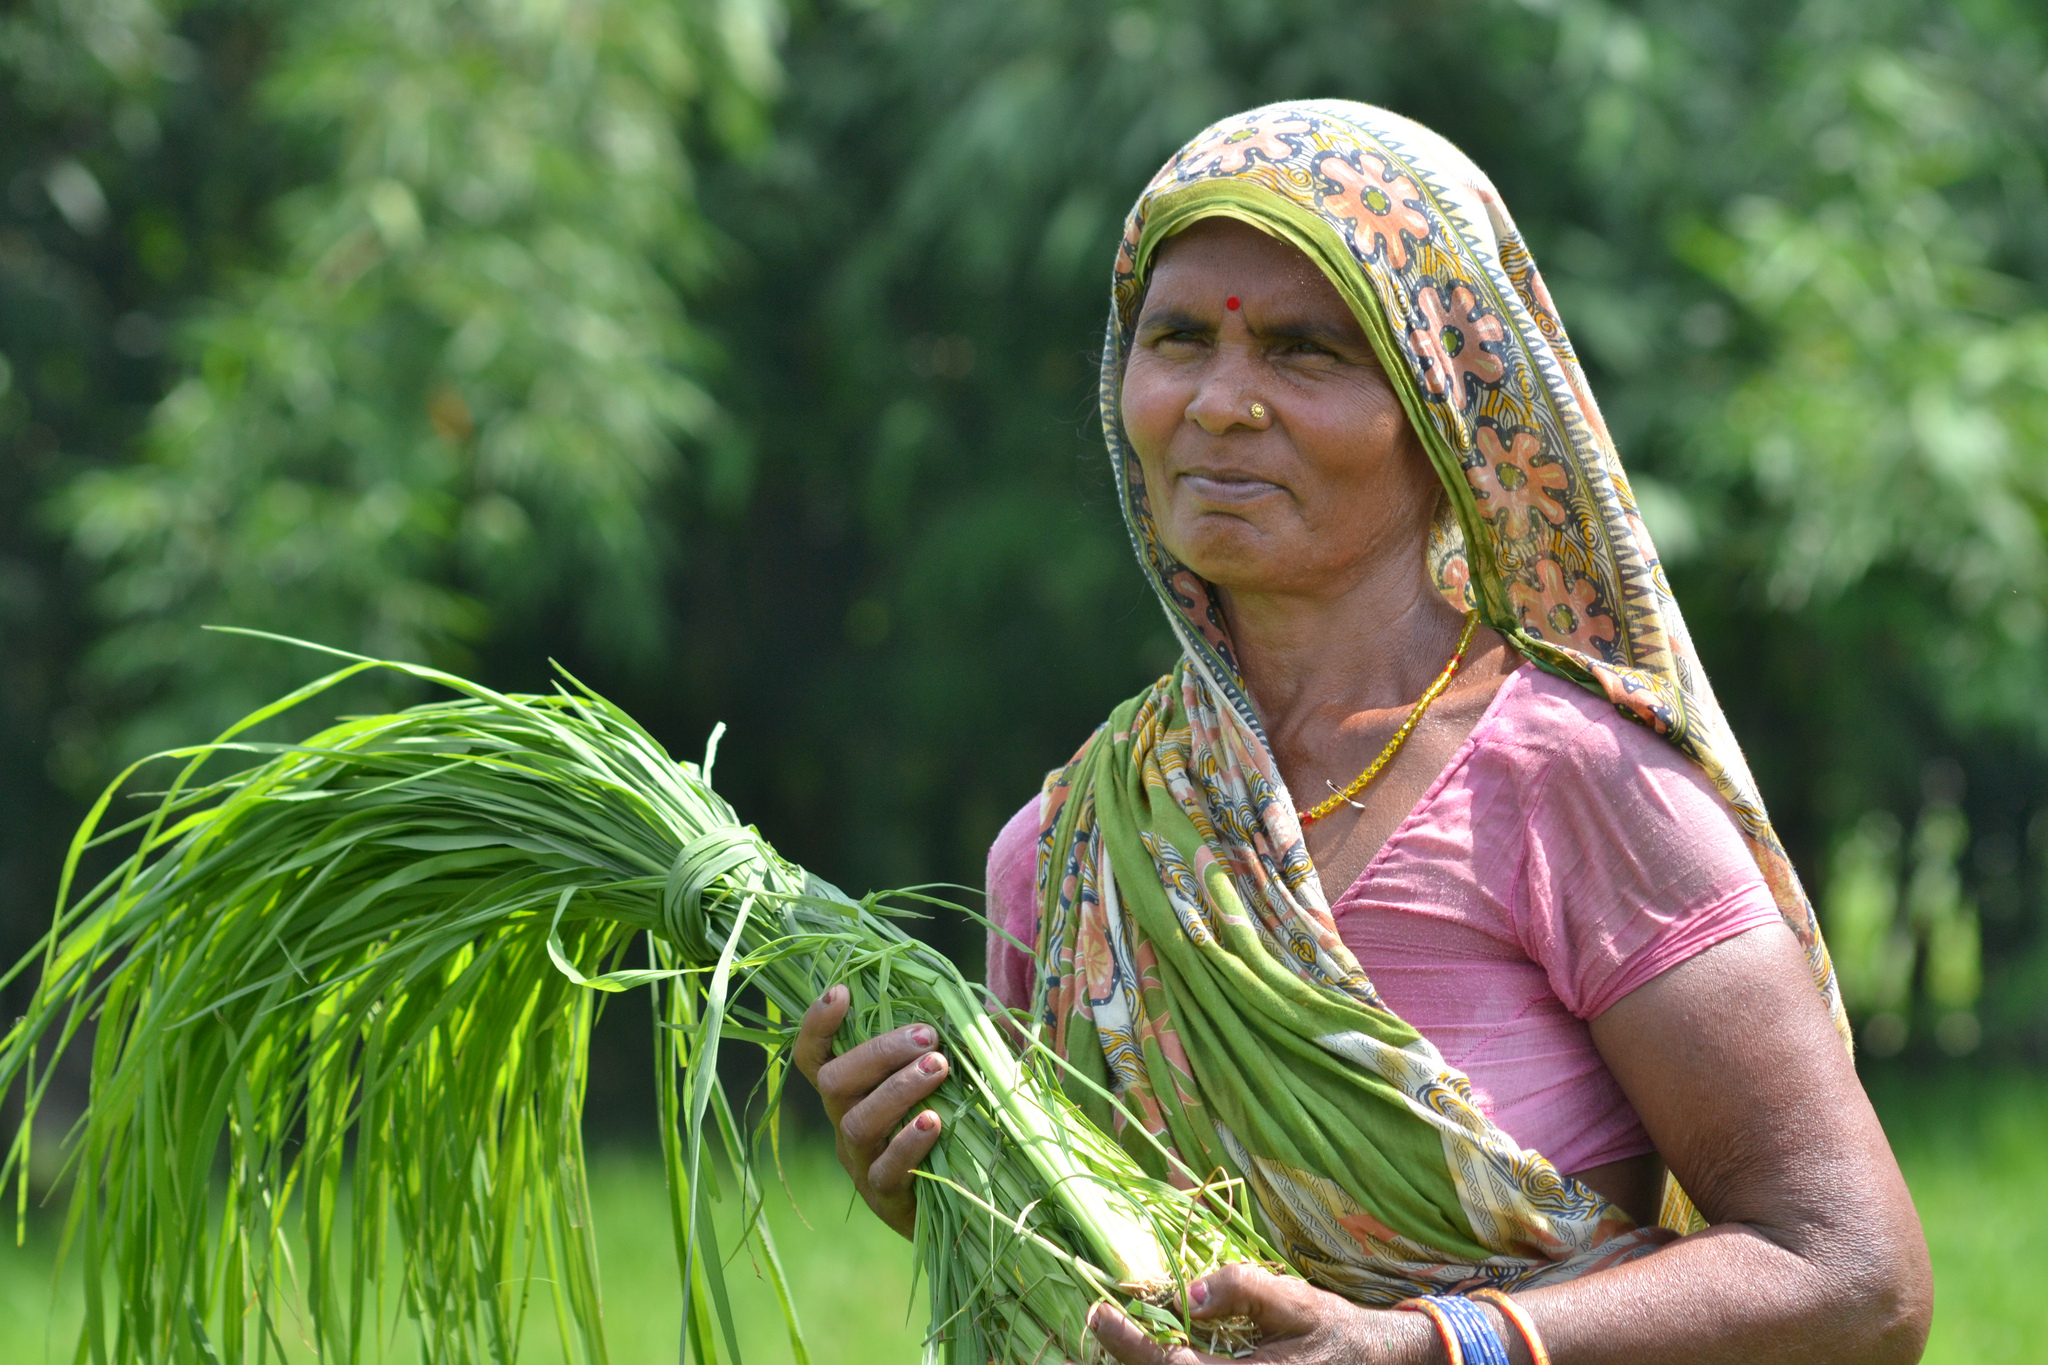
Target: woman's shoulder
x: 1629, y: 859
x: 1550, y: 729
x: 1571, y: 765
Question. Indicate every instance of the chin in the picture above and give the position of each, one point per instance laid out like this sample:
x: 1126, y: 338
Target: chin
x: 1237, y: 563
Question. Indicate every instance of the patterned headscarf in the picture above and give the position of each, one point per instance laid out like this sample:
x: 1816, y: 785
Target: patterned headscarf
x: 1189, y: 961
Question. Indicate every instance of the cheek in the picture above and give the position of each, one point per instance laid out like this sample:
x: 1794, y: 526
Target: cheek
x: 1365, y: 447
x: 1152, y: 405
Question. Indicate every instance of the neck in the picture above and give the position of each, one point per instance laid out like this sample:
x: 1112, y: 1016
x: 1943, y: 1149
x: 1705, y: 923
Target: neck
x: 1312, y: 659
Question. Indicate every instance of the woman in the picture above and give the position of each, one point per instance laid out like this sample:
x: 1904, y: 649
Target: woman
x: 1429, y: 894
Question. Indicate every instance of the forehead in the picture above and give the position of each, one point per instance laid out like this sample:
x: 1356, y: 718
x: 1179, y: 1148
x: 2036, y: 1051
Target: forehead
x: 1237, y: 258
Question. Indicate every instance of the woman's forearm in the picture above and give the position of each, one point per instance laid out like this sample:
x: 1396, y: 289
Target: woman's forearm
x: 1737, y: 1295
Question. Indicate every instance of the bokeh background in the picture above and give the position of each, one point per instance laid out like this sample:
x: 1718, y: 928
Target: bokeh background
x: 740, y: 356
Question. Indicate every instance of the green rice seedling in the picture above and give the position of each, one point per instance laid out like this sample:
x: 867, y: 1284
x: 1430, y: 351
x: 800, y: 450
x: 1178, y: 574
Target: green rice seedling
x: 342, y: 1001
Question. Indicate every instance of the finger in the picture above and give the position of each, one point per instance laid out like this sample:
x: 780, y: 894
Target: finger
x: 868, y: 1124
x: 1127, y: 1342
x: 858, y: 1070
x: 1280, y: 1306
x: 814, y: 1036
x: 890, y: 1172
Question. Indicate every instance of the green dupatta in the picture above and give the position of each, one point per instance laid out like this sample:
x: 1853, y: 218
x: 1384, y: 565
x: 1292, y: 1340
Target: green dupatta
x: 1188, y: 960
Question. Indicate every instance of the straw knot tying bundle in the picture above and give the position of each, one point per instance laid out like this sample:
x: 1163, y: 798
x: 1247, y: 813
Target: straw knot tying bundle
x: 722, y: 860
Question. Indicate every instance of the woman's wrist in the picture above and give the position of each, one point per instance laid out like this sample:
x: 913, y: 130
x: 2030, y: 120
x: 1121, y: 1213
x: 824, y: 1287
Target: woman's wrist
x: 1467, y: 1331
x: 1404, y: 1339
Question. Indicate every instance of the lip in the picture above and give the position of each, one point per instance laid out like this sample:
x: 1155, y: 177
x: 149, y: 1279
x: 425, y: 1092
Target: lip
x: 1226, y: 486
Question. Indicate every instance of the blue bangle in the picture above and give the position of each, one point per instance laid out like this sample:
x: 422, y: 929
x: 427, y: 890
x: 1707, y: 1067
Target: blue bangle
x: 1477, y: 1344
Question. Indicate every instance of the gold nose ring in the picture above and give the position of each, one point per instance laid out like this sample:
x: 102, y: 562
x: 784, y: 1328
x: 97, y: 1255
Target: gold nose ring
x: 1258, y: 412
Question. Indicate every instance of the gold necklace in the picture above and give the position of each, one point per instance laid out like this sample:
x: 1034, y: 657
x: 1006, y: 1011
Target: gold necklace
x: 1429, y: 694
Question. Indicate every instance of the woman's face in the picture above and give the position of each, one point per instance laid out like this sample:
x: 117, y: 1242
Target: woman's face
x: 1306, y: 498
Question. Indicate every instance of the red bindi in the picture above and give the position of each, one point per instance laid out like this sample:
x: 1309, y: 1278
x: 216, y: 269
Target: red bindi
x: 1231, y: 303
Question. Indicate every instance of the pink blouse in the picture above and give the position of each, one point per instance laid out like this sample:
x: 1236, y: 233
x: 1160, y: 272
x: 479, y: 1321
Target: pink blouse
x: 1563, y: 858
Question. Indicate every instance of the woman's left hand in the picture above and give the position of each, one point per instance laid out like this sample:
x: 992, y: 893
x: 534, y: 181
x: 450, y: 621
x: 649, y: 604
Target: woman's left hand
x: 1297, y: 1323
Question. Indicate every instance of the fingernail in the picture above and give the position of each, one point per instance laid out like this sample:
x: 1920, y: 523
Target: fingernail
x: 1198, y: 1294
x: 838, y: 994
x: 931, y: 1064
x: 922, y: 1036
x: 927, y: 1121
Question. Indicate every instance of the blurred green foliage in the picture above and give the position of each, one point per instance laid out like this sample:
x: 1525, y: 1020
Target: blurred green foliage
x: 745, y: 360
x: 454, y: 385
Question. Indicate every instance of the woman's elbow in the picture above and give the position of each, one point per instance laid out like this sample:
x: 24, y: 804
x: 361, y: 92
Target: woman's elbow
x: 1908, y: 1307
x: 1892, y: 1290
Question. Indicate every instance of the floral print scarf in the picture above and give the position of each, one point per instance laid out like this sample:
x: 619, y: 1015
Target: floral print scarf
x: 1189, y: 965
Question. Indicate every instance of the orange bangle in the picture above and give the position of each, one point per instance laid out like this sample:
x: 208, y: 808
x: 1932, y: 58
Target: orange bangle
x: 1519, y: 1316
x: 1444, y: 1330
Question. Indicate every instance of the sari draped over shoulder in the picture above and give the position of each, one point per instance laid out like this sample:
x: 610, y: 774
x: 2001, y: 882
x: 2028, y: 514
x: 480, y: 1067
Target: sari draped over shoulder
x: 1188, y: 962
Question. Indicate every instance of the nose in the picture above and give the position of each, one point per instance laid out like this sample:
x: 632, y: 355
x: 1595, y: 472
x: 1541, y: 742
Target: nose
x: 1228, y: 396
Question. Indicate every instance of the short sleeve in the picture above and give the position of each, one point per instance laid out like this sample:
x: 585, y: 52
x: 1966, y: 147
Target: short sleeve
x: 1634, y: 863
x: 1013, y: 904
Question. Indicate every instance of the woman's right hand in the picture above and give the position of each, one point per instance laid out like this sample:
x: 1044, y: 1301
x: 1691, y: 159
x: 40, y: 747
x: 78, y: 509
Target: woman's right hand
x: 868, y: 1093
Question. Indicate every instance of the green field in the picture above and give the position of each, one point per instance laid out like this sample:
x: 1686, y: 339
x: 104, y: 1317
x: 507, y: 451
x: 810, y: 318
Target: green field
x: 1978, y: 1167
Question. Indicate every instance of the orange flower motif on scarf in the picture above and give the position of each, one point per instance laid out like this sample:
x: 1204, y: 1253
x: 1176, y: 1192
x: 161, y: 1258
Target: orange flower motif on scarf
x: 1563, y: 611
x: 1450, y: 345
x: 1453, y: 576
x: 1231, y: 152
x: 1379, y: 207
x: 1096, y: 960
x: 1511, y: 487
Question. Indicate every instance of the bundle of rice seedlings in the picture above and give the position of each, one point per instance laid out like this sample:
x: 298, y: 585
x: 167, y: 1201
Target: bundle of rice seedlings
x: 343, y: 1002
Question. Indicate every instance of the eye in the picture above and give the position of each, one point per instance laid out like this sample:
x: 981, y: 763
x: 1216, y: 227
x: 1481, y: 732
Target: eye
x: 1180, y: 338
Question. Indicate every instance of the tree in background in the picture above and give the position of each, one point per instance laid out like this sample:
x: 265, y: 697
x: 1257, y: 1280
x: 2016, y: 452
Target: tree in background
x: 520, y: 336
x: 459, y: 386
x: 362, y: 321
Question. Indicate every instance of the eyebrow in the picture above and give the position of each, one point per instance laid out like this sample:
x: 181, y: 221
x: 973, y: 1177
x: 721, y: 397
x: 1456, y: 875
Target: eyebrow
x: 1174, y: 320
x: 1301, y: 329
